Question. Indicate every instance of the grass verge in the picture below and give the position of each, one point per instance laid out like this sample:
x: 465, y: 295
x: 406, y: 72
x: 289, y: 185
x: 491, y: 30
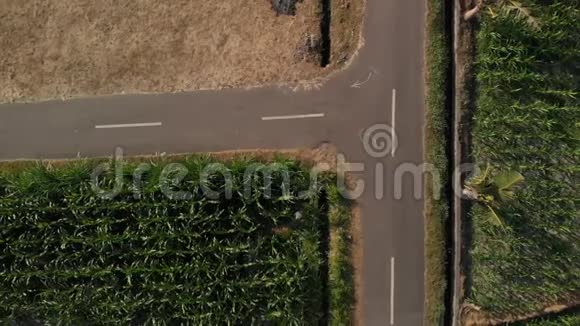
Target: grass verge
x: 341, y: 282
x: 144, y: 257
x: 345, y: 29
x: 436, y: 152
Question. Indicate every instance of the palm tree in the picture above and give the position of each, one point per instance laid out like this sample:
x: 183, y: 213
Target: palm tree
x: 492, y: 191
x: 507, y: 6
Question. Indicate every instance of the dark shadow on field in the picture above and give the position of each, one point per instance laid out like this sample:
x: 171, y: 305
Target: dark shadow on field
x: 325, y: 22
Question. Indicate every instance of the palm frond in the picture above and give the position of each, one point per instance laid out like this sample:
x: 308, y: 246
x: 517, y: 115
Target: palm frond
x: 519, y: 10
x: 494, y: 217
x: 506, y: 182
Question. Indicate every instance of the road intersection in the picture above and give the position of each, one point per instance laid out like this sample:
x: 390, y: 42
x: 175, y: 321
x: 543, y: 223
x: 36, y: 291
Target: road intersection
x: 388, y: 74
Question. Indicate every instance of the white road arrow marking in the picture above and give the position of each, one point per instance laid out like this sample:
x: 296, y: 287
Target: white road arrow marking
x: 358, y: 84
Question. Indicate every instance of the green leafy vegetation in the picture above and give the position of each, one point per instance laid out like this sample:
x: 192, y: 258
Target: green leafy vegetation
x: 492, y: 191
x: 70, y: 256
x: 340, y: 267
x: 527, y: 121
x: 436, y: 143
x: 572, y: 319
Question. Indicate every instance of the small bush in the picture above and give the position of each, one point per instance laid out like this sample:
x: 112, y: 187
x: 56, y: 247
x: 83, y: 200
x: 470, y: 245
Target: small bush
x: 285, y: 7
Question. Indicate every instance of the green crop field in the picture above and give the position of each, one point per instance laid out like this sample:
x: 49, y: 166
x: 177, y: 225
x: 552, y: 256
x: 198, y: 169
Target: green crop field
x: 571, y: 319
x: 527, y: 120
x: 151, y: 255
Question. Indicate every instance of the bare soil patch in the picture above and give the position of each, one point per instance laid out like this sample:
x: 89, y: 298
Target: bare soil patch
x: 60, y: 49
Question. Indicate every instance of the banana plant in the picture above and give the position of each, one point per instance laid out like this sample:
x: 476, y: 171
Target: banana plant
x: 492, y: 190
x: 507, y: 6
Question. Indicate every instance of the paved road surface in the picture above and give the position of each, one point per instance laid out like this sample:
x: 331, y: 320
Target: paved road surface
x: 233, y: 119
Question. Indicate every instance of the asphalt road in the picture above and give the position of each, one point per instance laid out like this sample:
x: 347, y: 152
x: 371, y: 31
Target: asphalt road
x: 392, y: 58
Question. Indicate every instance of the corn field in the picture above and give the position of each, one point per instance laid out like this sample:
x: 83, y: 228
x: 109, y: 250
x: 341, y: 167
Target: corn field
x: 68, y: 256
x: 527, y: 120
x: 570, y: 319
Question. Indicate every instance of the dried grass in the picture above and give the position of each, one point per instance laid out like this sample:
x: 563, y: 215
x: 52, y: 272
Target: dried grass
x: 60, y: 49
